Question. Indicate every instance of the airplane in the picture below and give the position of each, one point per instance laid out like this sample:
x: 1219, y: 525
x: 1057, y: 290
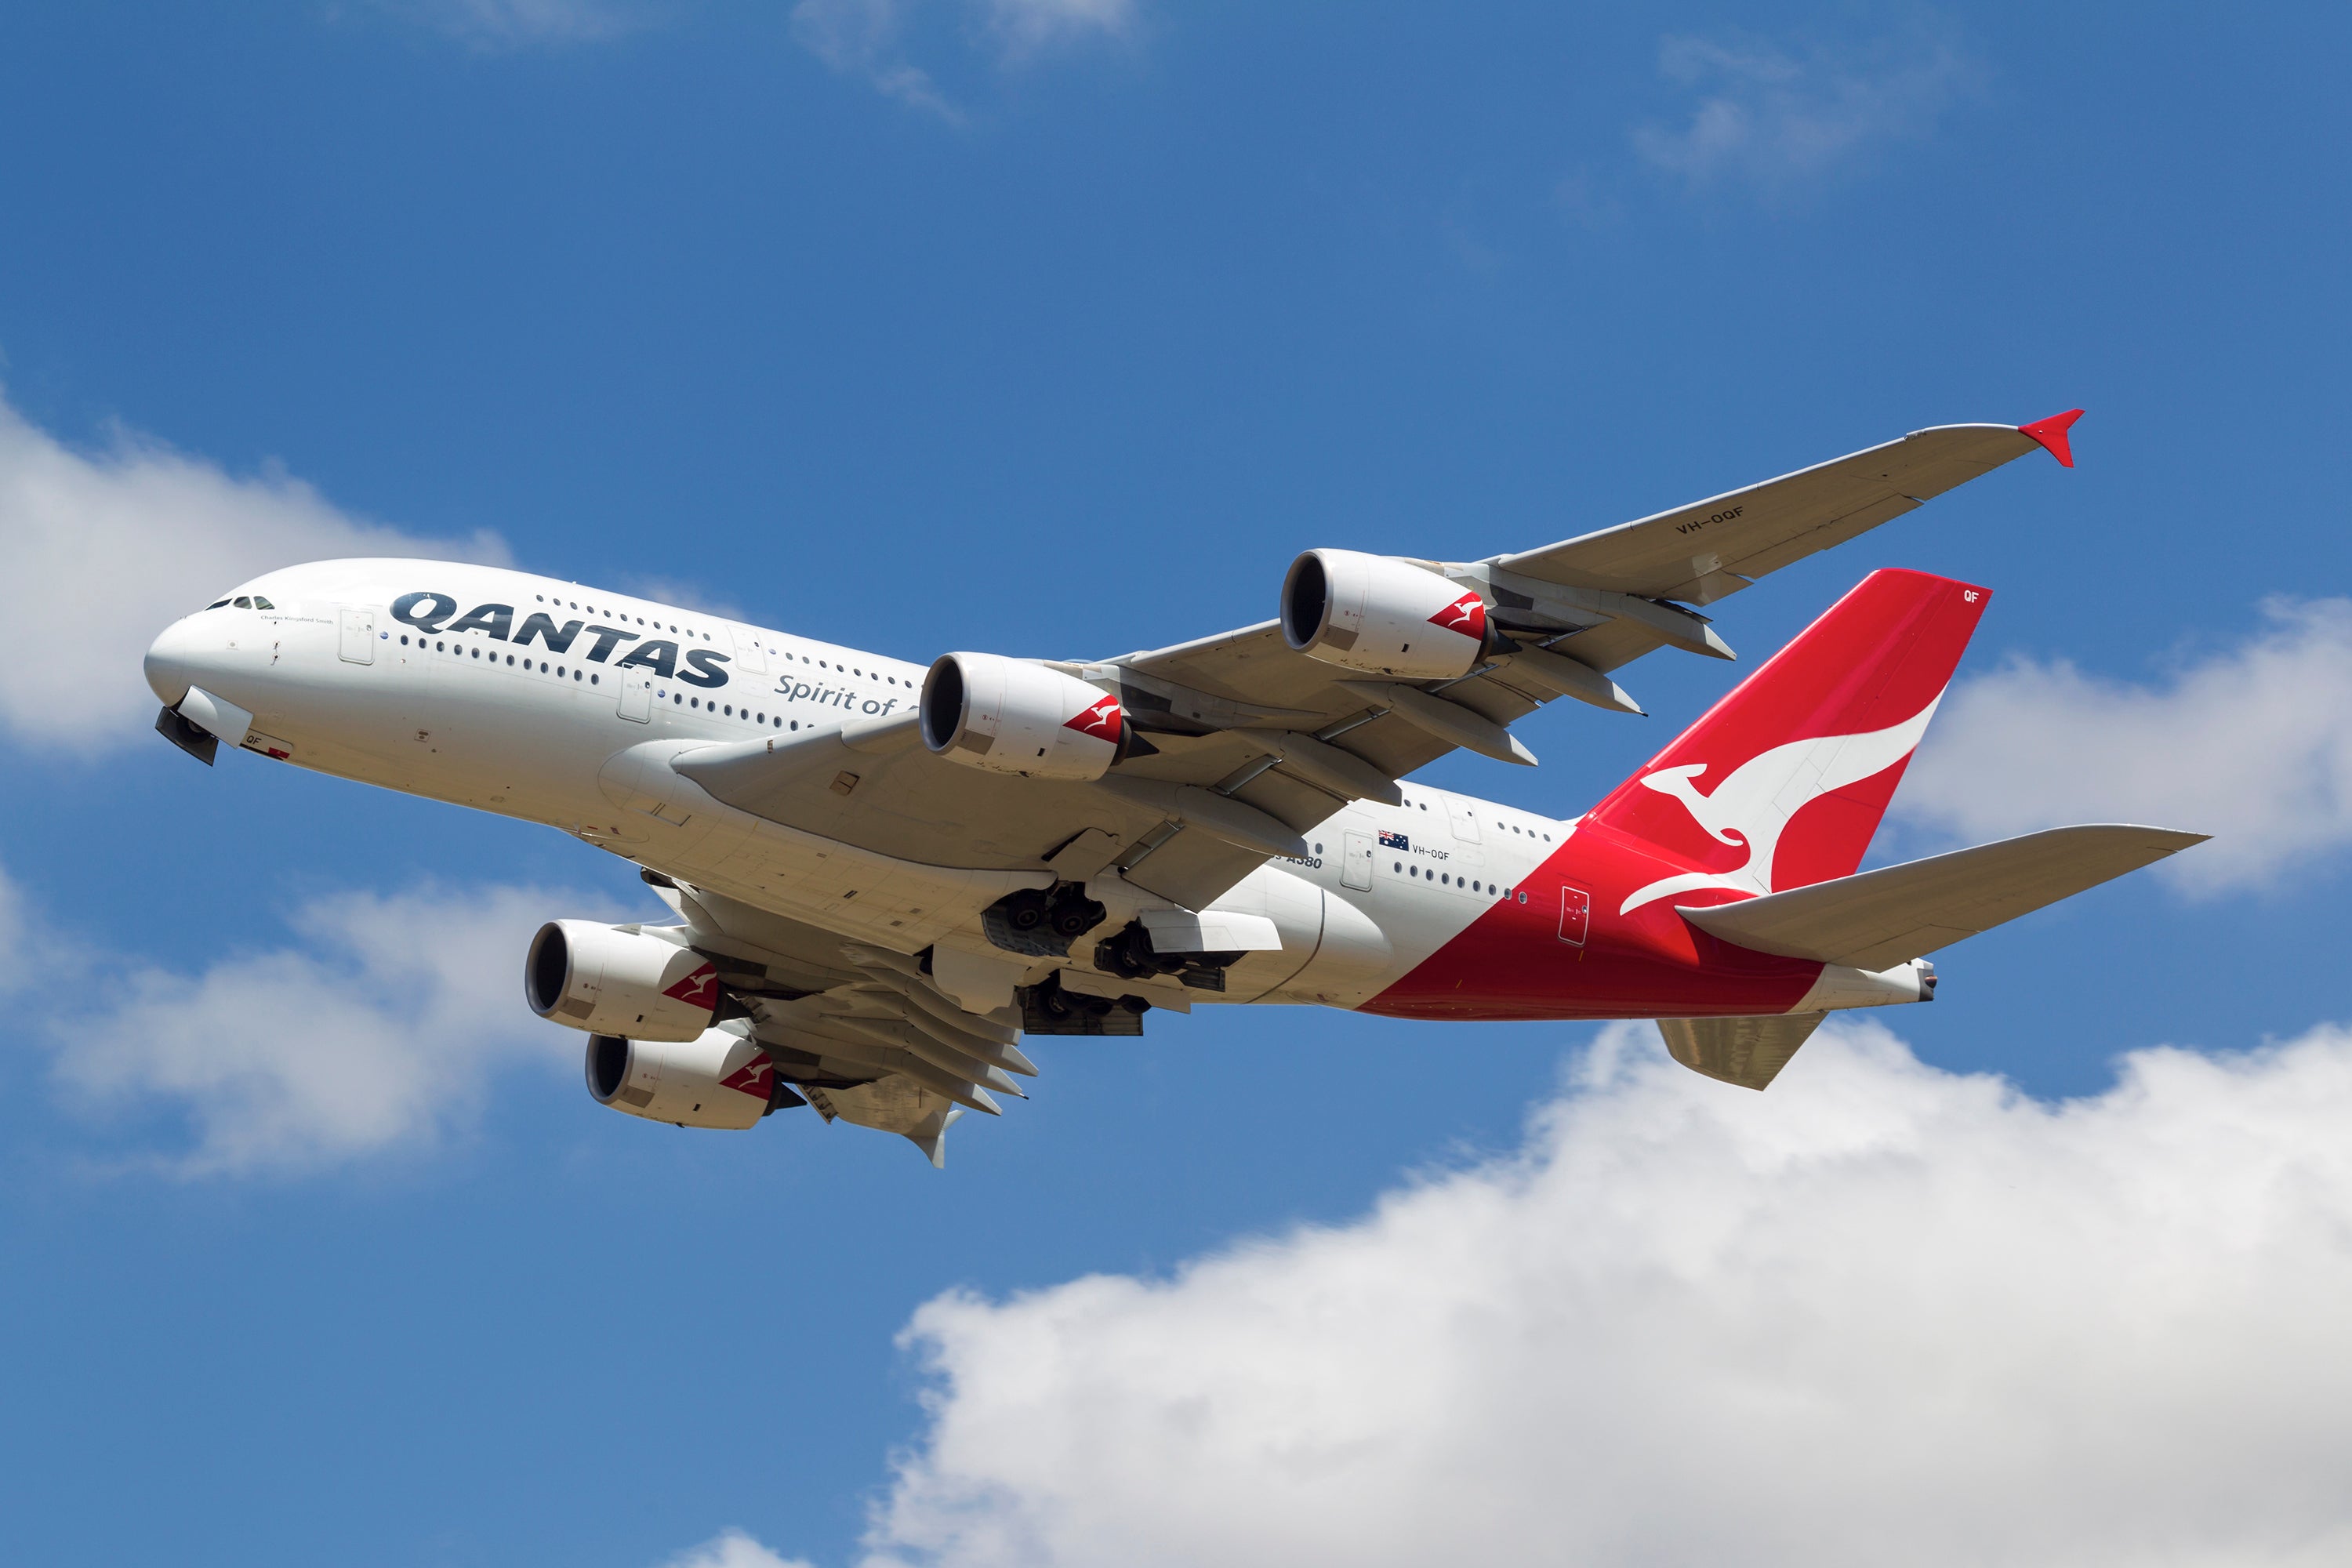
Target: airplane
x: 887, y: 876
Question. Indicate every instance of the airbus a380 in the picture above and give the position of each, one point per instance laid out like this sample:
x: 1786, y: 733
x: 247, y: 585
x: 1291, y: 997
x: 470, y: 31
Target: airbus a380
x: 884, y: 875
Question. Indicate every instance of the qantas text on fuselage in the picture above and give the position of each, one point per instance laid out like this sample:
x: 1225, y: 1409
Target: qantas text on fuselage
x: 885, y: 876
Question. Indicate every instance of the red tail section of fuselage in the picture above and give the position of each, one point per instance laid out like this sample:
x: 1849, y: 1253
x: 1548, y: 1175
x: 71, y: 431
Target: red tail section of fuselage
x: 1779, y: 785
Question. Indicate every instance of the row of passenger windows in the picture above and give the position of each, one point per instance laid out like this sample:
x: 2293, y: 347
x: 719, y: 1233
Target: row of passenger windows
x: 1525, y: 832
x: 677, y: 699
x: 255, y: 602
x: 847, y: 669
x: 1447, y: 879
x: 461, y: 651
x: 784, y: 654
x: 611, y: 614
x: 745, y: 714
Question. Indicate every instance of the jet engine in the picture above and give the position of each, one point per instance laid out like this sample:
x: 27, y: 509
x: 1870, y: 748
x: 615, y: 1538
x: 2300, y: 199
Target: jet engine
x: 608, y: 979
x: 1009, y: 716
x: 719, y: 1079
x: 1380, y: 615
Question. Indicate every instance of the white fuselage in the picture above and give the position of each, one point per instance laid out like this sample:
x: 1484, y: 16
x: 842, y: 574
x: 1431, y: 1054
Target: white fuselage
x: 566, y: 711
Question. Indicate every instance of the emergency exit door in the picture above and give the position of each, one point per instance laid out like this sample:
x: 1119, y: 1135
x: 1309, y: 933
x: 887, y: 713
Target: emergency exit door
x: 1575, y: 914
x: 357, y: 643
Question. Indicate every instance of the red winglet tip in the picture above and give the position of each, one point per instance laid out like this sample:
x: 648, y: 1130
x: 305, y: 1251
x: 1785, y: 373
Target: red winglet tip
x: 2051, y: 435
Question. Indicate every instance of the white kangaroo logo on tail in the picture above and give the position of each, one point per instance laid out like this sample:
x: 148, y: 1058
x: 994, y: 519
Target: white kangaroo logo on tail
x: 1756, y: 803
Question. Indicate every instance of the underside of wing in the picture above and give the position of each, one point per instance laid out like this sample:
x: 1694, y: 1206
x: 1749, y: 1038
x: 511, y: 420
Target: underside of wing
x: 863, y: 1035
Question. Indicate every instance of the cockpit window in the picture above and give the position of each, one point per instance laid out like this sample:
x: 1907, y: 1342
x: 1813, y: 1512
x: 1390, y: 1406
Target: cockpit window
x: 261, y: 604
x: 245, y: 601
x: 217, y: 604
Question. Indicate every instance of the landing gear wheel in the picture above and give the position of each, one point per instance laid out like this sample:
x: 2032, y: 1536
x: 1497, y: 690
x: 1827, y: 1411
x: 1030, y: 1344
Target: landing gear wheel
x: 1027, y: 909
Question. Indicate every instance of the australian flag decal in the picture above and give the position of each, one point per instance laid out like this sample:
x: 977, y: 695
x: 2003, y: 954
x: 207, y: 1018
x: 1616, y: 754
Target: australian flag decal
x: 1394, y: 840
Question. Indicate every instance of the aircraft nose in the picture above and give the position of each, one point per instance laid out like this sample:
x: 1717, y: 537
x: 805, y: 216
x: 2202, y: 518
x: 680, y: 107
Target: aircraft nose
x: 176, y: 659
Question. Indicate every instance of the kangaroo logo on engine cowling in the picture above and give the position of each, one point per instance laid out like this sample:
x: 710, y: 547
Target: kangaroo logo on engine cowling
x: 1101, y: 721
x: 699, y: 989
x: 1466, y: 615
x: 432, y: 613
x: 755, y: 1077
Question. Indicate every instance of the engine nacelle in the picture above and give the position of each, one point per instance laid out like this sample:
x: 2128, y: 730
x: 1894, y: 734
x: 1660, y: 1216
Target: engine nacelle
x: 1009, y: 716
x: 719, y: 1079
x: 1380, y: 615
x: 609, y: 979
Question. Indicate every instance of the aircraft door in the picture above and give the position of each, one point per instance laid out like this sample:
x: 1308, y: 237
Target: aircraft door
x: 636, y: 696
x: 358, y: 639
x: 1355, y: 869
x: 1575, y: 915
x: 749, y: 656
x: 1465, y: 819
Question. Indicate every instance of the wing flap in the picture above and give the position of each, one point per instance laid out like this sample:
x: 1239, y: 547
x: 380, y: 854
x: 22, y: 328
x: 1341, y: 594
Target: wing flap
x: 1878, y: 919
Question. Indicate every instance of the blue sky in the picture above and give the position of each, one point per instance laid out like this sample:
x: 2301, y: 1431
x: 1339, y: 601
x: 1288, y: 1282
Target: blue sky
x: 1057, y: 327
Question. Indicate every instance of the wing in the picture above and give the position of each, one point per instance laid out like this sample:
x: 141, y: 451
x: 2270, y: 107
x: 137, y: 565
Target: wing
x: 1253, y: 744
x: 1710, y: 548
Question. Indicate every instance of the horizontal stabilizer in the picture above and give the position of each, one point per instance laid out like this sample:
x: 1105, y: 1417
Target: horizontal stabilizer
x: 1879, y: 919
x: 1748, y: 1052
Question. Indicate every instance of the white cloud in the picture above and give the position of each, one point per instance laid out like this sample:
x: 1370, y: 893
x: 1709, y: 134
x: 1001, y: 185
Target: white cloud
x: 2253, y: 744
x: 1024, y: 27
x: 493, y: 24
x: 103, y: 549
x: 864, y: 37
x: 1770, y: 115
x: 685, y: 595
x: 870, y: 38
x: 1881, y: 1314
x: 732, y: 1549
x: 379, y: 1029
x: 27, y: 950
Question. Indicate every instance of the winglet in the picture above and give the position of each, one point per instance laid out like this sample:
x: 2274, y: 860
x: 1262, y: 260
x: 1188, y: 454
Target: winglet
x: 2051, y: 433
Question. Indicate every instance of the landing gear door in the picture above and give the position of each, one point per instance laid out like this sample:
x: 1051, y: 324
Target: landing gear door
x: 637, y: 696
x: 1355, y: 869
x: 357, y: 644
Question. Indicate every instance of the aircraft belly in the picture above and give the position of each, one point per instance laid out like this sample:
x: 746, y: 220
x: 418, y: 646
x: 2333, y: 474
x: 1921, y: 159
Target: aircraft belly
x: 1354, y: 961
x: 1295, y: 907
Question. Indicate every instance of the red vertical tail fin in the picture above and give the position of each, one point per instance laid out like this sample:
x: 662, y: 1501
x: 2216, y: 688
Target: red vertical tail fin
x: 1782, y: 782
